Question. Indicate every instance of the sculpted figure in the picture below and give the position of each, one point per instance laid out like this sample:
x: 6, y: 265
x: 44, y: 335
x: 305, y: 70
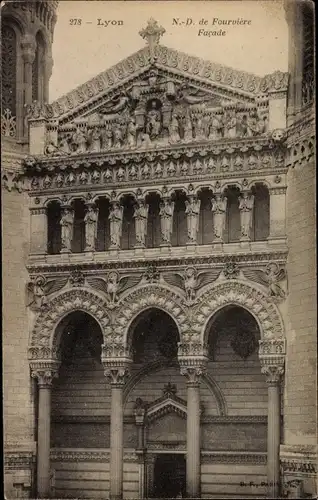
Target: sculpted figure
x: 141, y: 218
x: 252, y: 124
x: 112, y: 286
x: 64, y: 144
x: 219, y: 204
x: 246, y: 203
x: 230, y: 127
x: 107, y: 138
x: 198, y: 128
x: 153, y: 127
x: 79, y: 141
x: 174, y: 135
x: 95, y: 141
x: 188, y: 136
x: 190, y: 281
x: 117, y: 135
x: 243, y: 127
x: 116, y: 223
x: 131, y: 133
x: 215, y: 132
x: 166, y: 219
x: 66, y: 223
x: 38, y: 291
x: 193, y: 212
x: 90, y: 219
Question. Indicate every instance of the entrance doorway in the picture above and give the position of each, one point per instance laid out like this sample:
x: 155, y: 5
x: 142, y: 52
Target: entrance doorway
x: 169, y: 476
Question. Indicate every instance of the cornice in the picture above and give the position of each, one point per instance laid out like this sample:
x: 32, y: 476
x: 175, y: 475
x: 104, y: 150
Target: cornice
x: 161, y: 263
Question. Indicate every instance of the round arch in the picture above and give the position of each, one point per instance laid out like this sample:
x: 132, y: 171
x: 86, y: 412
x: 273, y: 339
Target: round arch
x: 146, y: 297
x: 44, y: 339
x: 241, y: 294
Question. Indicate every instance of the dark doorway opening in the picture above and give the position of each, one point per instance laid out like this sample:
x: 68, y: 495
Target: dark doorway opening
x: 169, y: 476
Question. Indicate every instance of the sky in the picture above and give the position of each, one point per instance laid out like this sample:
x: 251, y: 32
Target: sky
x: 81, y: 51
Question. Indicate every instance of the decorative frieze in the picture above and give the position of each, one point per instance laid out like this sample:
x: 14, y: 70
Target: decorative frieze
x: 14, y: 460
x: 233, y: 458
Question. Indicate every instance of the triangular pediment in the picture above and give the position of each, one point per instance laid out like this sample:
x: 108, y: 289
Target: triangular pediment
x: 213, y: 82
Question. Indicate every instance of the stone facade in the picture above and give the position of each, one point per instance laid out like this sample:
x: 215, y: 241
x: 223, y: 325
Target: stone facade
x: 149, y: 233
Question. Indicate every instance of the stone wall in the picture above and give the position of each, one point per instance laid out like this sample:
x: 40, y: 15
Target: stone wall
x: 18, y: 389
x: 300, y: 378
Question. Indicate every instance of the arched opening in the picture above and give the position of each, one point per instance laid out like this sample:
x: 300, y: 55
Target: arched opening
x: 153, y: 226
x: 233, y: 336
x: 54, y: 227
x: 261, y: 214
x: 205, y: 235
x: 9, y: 80
x: 103, y: 226
x: 78, y: 241
x: 80, y: 404
x: 38, y: 69
x: 128, y: 229
x: 232, y: 231
x: 179, y: 235
x: 155, y: 335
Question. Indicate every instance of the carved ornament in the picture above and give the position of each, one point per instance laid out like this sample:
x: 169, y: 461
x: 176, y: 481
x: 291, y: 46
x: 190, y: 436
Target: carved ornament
x: 113, y: 286
x: 191, y: 281
x: 15, y: 460
x: 270, y: 278
x: 238, y: 293
x: 44, y: 335
x: 233, y: 458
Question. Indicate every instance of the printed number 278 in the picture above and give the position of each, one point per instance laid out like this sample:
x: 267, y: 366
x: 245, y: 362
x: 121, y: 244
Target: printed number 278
x: 75, y: 22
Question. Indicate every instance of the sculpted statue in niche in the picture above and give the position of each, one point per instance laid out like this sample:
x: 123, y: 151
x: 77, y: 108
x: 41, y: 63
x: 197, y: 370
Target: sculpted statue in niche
x: 90, y: 219
x: 174, y: 135
x: 153, y: 123
x: 219, y: 204
x: 95, y: 140
x: 193, y: 211
x: 246, y: 203
x: 166, y: 219
x: 66, y: 223
x: 116, y: 223
x: 79, y: 141
x: 141, y: 218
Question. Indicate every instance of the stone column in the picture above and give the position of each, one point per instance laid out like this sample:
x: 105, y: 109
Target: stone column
x: 28, y: 45
x: 117, y: 378
x: 39, y: 230
x: 44, y: 376
x: 193, y: 374
x: 277, y: 223
x: 272, y: 358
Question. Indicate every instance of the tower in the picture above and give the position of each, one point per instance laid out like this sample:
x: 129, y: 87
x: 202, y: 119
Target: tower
x: 27, y: 34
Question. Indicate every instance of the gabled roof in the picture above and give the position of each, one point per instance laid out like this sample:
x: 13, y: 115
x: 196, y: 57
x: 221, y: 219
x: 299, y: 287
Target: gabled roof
x: 236, y: 83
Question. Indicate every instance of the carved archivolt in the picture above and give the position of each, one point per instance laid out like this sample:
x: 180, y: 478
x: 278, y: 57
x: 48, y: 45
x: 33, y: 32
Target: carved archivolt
x: 44, y: 338
x: 146, y: 297
x: 237, y: 293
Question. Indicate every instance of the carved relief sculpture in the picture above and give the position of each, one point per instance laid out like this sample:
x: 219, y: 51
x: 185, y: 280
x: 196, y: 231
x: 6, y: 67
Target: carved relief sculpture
x: 166, y: 220
x: 230, y: 125
x: 192, y: 211
x: 215, y: 131
x: 66, y: 223
x: 246, y: 203
x: 188, y: 134
x: 95, y: 140
x: 131, y: 133
x: 90, y: 219
x: 219, y: 204
x: 79, y: 141
x: 153, y: 127
x: 116, y: 223
x: 141, y: 218
x: 174, y: 135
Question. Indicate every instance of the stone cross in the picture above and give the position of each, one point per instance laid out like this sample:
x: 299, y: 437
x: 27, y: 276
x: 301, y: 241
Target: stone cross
x: 152, y: 33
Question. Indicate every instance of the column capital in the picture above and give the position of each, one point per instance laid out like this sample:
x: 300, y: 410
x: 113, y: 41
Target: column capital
x: 116, y: 375
x: 272, y: 373
x: 193, y: 374
x: 28, y: 45
x: 45, y: 372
